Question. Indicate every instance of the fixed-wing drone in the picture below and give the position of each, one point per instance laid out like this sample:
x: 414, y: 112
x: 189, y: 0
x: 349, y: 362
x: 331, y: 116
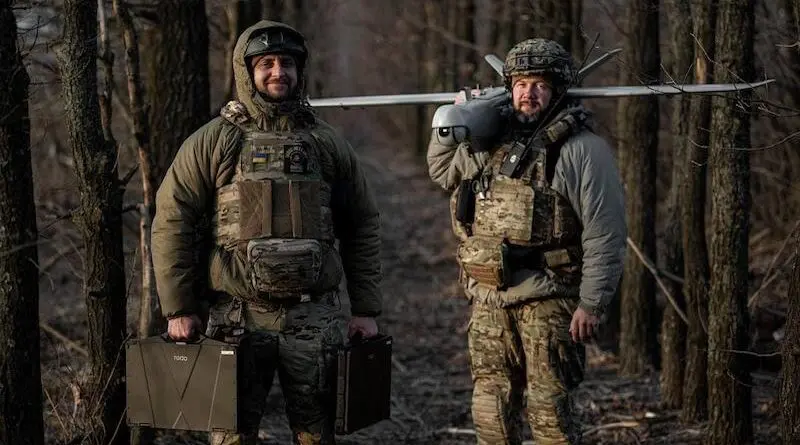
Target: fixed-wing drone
x: 475, y: 113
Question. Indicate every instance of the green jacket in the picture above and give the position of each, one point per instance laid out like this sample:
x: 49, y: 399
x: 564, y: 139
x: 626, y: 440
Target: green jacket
x: 185, y: 266
x: 587, y: 176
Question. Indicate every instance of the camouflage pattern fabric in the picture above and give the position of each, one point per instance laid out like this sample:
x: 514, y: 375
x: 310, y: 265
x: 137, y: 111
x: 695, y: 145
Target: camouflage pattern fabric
x: 540, y: 56
x: 525, y: 347
x: 299, y: 342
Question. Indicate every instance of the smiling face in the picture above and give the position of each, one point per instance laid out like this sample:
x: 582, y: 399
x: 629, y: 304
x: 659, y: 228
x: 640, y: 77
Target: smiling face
x: 275, y: 75
x: 531, y: 95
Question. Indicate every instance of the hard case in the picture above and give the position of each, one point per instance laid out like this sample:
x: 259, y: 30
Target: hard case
x: 183, y: 386
x: 363, y: 389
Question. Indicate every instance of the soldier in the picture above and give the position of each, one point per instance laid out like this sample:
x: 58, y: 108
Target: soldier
x: 277, y: 186
x: 541, y: 252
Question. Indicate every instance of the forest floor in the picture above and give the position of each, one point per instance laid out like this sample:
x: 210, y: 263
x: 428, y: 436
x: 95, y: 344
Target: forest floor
x: 426, y: 314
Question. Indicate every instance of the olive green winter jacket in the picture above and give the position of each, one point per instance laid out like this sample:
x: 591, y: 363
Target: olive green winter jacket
x: 206, y: 162
x: 587, y: 176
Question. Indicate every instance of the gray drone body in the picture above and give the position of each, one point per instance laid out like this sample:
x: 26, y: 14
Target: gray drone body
x: 475, y: 115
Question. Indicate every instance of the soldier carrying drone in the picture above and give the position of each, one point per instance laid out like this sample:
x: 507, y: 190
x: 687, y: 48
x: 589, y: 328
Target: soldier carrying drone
x: 539, y: 211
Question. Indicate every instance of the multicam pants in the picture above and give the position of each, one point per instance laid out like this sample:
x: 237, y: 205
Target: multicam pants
x: 298, y: 341
x: 525, y: 347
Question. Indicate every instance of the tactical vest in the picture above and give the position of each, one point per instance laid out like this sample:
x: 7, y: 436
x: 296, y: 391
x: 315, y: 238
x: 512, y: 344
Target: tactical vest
x: 520, y: 221
x: 277, y: 212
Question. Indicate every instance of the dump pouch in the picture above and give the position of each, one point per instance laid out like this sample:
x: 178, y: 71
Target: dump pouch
x: 481, y: 259
x: 284, y: 266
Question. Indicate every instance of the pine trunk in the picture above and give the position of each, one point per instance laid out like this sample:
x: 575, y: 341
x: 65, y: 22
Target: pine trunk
x: 178, y: 88
x: 729, y: 398
x: 20, y: 370
x: 673, y: 328
x: 695, y: 249
x: 638, y: 120
x: 790, y: 370
x: 99, y: 218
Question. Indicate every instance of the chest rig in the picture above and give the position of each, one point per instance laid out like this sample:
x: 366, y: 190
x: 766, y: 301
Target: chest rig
x: 519, y: 221
x: 276, y: 211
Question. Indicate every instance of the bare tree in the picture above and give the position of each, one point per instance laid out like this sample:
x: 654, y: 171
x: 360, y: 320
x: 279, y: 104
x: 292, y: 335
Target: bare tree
x: 728, y: 372
x: 695, y: 250
x: 240, y: 14
x: 673, y: 328
x: 20, y: 370
x: 99, y: 219
x: 790, y: 370
x: 558, y: 20
x: 178, y: 79
x: 638, y: 142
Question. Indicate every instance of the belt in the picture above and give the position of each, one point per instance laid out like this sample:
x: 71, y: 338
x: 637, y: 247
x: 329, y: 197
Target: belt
x: 269, y: 300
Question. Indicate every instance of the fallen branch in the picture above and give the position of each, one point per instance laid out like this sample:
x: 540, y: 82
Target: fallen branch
x: 624, y: 424
x: 70, y: 344
x: 649, y: 265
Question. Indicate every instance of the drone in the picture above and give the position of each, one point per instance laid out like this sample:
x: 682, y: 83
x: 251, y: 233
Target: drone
x: 476, y: 113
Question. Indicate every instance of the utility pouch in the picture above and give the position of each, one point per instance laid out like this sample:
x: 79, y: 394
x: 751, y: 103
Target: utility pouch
x: 465, y: 208
x: 481, y: 259
x: 565, y: 263
x: 284, y: 266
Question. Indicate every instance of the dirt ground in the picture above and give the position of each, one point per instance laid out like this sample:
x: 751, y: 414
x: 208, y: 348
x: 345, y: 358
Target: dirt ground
x: 427, y: 316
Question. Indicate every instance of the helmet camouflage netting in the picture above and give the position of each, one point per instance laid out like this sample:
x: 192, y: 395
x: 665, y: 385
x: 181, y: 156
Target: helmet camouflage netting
x: 540, y: 56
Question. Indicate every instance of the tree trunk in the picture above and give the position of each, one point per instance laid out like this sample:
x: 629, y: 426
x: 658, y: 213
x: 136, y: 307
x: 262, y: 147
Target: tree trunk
x: 638, y: 133
x: 466, y: 59
x: 673, y: 328
x: 99, y: 219
x: 241, y: 14
x: 554, y: 20
x: 728, y: 372
x: 20, y: 371
x: 695, y: 250
x: 790, y: 370
x: 178, y: 79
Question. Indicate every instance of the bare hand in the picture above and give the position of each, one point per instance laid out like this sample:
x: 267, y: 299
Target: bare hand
x: 366, y: 326
x: 183, y: 328
x: 583, y: 325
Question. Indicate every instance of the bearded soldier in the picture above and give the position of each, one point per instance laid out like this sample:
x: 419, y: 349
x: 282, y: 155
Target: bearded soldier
x: 277, y: 186
x: 541, y: 247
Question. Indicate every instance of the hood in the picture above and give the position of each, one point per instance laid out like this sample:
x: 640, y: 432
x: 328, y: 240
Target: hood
x: 277, y: 116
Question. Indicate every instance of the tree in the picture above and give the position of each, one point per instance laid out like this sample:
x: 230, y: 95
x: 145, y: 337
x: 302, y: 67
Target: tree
x: 20, y: 371
x: 790, y: 370
x: 99, y: 218
x: 178, y: 87
x: 695, y: 250
x: 558, y: 20
x: 241, y: 14
x: 673, y: 328
x: 729, y: 378
x: 638, y: 135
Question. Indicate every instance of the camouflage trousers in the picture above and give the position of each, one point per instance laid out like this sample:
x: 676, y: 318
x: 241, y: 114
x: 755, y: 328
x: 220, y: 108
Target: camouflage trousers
x: 525, y: 350
x: 299, y: 342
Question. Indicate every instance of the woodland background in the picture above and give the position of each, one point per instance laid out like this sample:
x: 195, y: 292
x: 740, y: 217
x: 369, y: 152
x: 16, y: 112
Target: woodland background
x: 97, y: 95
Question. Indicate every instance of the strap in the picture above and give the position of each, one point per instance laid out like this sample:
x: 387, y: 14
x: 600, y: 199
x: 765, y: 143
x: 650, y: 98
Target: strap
x: 295, y: 209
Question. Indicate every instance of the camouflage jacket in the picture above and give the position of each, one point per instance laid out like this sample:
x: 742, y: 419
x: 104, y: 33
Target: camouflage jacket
x: 206, y: 162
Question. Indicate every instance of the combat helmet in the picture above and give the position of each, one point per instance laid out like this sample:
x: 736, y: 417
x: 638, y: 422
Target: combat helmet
x: 279, y: 38
x: 541, y: 56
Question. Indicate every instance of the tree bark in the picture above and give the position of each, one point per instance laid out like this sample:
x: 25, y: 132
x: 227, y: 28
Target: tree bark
x: 241, y: 15
x: 99, y: 219
x: 790, y: 370
x: 730, y: 416
x: 20, y: 370
x: 638, y: 120
x: 673, y: 328
x: 695, y: 249
x: 178, y: 88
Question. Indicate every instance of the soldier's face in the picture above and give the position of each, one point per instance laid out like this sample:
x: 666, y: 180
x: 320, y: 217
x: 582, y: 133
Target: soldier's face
x: 531, y: 94
x: 275, y: 75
